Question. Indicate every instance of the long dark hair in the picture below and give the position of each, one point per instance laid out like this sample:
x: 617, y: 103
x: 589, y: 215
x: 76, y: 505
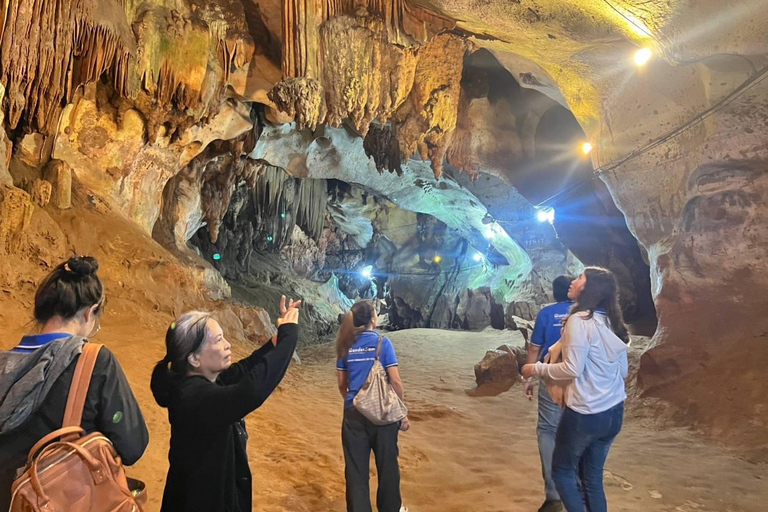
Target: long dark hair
x: 70, y: 287
x: 601, y: 291
x: 359, y: 316
x: 185, y: 336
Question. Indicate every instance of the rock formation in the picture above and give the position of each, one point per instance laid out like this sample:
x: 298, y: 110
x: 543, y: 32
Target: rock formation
x: 289, y: 145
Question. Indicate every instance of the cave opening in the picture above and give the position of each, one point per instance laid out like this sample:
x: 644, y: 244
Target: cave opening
x: 586, y: 218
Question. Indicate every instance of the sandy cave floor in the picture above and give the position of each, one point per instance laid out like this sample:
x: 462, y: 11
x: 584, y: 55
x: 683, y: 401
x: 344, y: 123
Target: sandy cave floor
x: 462, y: 454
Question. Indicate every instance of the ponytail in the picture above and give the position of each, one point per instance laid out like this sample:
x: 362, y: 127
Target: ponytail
x: 354, y: 322
x: 346, y: 337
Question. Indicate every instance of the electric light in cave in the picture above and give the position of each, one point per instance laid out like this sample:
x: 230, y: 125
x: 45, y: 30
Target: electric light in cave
x: 642, y: 56
x: 586, y: 148
x: 269, y: 238
x: 546, y: 215
x: 217, y: 257
x: 282, y: 215
x: 477, y: 257
x: 437, y: 258
x: 367, y: 271
x: 488, y: 233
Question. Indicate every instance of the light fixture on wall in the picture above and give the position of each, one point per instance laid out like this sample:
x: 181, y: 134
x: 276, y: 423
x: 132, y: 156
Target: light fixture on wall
x: 437, y: 258
x: 216, y: 257
x: 642, y: 56
x: 586, y: 148
x: 367, y: 272
x: 477, y: 257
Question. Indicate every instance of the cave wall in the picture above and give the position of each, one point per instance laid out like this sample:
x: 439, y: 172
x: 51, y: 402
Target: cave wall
x: 167, y: 111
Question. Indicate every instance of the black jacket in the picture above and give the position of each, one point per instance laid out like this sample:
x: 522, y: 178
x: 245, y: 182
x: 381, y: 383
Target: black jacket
x: 110, y: 408
x: 208, y: 463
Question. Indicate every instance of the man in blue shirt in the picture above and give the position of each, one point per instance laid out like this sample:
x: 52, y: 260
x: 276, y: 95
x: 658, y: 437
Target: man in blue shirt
x: 546, y: 332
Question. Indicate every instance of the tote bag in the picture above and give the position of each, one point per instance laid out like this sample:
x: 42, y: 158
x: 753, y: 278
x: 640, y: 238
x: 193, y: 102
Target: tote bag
x: 376, y: 400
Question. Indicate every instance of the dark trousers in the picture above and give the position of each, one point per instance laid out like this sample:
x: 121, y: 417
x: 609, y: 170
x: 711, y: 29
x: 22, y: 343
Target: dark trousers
x: 358, y: 437
x: 581, y: 447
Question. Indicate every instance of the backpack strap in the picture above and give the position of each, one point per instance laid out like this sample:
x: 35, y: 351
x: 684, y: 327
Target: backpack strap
x: 378, y: 348
x: 81, y: 381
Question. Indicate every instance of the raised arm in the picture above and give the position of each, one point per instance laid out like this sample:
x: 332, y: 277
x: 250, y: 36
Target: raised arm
x: 223, y: 405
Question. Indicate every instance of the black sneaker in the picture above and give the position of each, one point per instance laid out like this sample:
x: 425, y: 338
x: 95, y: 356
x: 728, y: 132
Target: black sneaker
x: 552, y: 506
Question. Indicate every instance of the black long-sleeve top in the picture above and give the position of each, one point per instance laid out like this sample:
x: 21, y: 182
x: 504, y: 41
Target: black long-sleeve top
x: 208, y: 463
x: 110, y: 408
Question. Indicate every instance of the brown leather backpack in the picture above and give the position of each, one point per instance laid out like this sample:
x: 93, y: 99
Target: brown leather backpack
x: 69, y: 471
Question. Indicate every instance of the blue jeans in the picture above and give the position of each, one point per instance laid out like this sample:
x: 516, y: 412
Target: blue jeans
x: 581, y: 447
x: 546, y: 430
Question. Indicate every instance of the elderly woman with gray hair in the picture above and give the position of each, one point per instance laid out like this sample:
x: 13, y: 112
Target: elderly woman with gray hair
x: 207, y: 397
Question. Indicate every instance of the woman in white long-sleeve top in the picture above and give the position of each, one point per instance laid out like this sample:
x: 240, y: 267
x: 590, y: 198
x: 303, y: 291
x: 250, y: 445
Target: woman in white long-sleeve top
x: 594, y: 359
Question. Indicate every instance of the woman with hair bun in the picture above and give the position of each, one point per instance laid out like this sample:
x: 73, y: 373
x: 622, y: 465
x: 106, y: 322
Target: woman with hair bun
x: 35, y: 376
x: 207, y: 397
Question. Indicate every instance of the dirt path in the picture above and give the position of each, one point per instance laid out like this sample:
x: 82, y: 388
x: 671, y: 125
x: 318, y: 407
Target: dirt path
x: 473, y: 454
x: 463, y: 454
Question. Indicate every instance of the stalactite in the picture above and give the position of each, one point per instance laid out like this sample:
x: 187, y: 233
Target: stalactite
x: 425, y: 122
x: 301, y: 98
x: 380, y: 143
x: 357, y: 60
x: 366, y: 77
x: 51, y: 47
x: 310, y: 208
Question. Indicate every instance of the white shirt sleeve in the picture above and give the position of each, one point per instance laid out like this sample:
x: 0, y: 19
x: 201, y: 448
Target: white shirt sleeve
x: 575, y: 343
x: 624, y: 365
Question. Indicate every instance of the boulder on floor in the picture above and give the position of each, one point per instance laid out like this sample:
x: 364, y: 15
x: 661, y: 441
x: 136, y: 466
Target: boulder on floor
x: 499, y: 366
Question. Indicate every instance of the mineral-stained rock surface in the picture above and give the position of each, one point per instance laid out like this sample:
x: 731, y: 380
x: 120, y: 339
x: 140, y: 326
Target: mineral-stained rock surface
x: 406, y: 151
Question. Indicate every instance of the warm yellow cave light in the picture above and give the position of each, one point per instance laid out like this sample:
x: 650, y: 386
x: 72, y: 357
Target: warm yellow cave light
x: 637, y: 26
x: 642, y: 56
x: 586, y: 148
x: 437, y: 259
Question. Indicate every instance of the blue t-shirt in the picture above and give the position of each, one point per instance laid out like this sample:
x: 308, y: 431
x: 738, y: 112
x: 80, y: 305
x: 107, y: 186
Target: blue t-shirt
x: 549, y: 324
x: 360, y: 359
x: 32, y: 342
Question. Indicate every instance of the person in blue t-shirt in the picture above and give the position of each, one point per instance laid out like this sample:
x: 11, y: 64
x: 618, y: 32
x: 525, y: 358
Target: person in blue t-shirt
x: 356, y: 346
x: 546, y: 332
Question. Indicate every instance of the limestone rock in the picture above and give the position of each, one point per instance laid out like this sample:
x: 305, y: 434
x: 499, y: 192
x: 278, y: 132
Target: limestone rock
x: 40, y: 192
x: 47, y: 55
x: 427, y: 119
x: 32, y: 150
x: 521, y: 310
x: 497, y: 367
x: 301, y: 99
x: 519, y: 353
x: 59, y: 174
x: 16, y: 208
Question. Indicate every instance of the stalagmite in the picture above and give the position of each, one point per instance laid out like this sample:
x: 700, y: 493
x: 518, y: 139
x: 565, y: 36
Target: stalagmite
x: 16, y: 210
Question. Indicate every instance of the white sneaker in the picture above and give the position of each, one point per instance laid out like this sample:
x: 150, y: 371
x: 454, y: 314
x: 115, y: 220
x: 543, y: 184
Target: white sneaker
x: 403, y: 509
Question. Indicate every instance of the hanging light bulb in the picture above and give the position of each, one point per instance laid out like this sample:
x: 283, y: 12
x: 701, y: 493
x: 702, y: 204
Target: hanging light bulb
x: 642, y: 56
x: 586, y: 148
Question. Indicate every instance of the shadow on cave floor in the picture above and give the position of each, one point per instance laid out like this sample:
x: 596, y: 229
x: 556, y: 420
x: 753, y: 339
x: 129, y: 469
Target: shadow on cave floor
x: 468, y: 453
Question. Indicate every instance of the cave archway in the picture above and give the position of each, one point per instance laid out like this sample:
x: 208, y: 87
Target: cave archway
x: 587, y: 220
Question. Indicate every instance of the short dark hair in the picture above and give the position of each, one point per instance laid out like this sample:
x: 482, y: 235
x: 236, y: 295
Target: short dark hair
x: 72, y: 286
x: 560, y: 287
x: 185, y: 336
